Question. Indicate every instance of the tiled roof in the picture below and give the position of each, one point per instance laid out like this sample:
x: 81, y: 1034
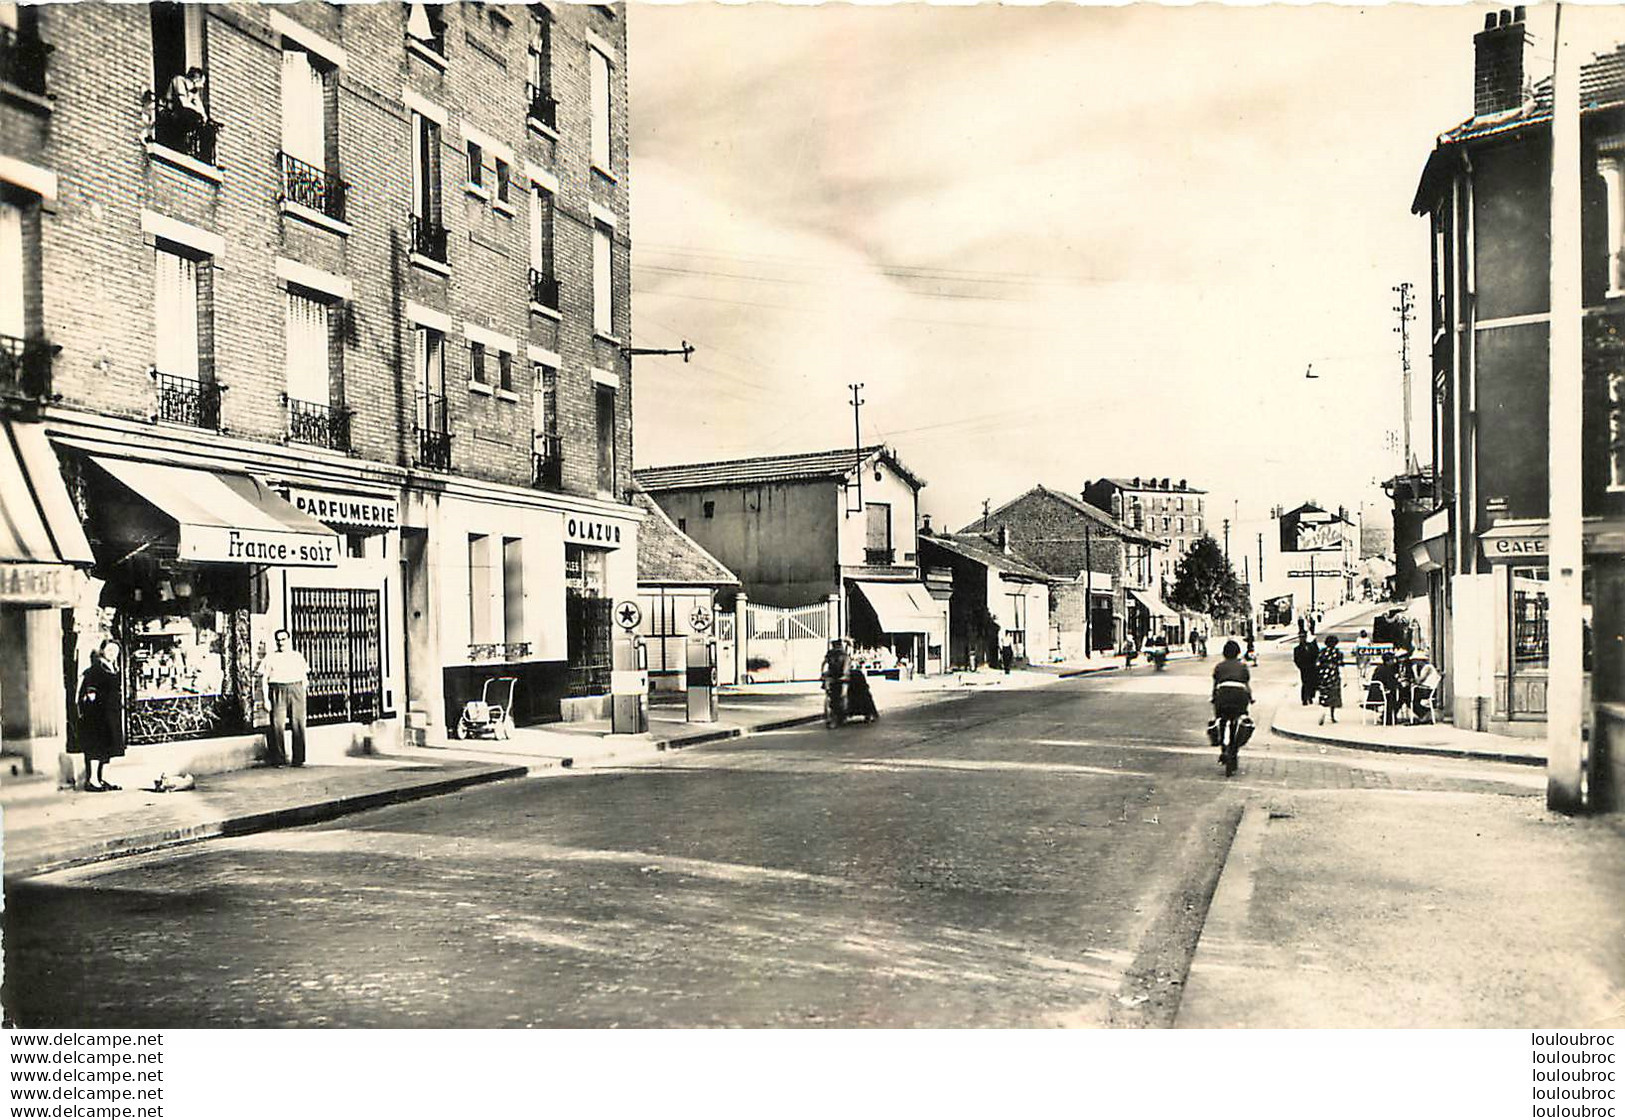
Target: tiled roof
x: 1602, y: 86
x: 974, y: 546
x: 666, y: 554
x: 1146, y: 484
x: 1095, y: 513
x: 807, y: 466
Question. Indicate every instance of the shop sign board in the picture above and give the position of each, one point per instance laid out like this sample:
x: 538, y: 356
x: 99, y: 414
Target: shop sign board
x: 220, y: 544
x: 596, y: 532
x: 365, y: 511
x: 37, y: 583
x: 1515, y: 548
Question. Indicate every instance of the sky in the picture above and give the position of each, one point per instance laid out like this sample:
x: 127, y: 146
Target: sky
x: 1052, y: 243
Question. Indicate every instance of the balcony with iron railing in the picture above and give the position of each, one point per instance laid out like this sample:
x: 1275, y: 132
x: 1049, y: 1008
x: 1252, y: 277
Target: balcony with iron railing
x: 880, y: 557
x: 544, y: 109
x: 433, y: 436
x: 544, y: 289
x: 181, y: 130
x: 318, y: 425
x: 312, y: 187
x: 187, y: 400
x: 25, y: 368
x: 547, y: 464
x: 23, y: 60
x: 429, y: 238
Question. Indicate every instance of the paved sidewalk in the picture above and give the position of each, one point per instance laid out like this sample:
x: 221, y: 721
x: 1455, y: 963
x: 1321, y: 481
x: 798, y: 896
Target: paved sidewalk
x: 43, y: 828
x: 1387, y: 909
x: 1357, y: 729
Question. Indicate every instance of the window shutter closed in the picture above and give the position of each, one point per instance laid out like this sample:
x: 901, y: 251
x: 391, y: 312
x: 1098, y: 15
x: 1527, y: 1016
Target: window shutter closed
x: 603, y: 283
x: 307, y: 360
x: 600, y: 109
x: 303, y: 109
x: 11, y: 271
x: 176, y: 315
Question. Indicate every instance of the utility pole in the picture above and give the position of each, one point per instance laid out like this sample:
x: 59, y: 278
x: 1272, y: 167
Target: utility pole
x: 1311, y: 582
x: 857, y: 443
x: 1564, y: 751
x: 1261, y: 558
x: 1405, y: 308
x: 1227, y: 538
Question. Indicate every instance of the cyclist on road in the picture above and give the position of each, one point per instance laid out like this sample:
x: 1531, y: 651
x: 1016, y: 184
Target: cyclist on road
x: 1232, y: 693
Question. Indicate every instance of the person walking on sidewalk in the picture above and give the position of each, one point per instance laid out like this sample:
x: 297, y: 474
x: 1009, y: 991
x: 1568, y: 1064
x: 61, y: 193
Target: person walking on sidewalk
x: 286, y: 673
x: 1331, y: 678
x: 1304, y: 656
x: 101, y: 716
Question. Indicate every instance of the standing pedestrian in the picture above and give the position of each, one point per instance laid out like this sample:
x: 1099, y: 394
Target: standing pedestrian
x: 1129, y: 650
x: 285, y: 674
x: 1331, y: 678
x: 101, y: 716
x: 1305, y: 656
x: 1007, y: 657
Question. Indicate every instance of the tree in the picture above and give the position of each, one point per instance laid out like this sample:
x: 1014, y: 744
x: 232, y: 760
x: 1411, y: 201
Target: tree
x: 1205, y: 582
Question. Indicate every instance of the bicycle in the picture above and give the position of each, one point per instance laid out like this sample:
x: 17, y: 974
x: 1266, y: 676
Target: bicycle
x: 1230, y: 732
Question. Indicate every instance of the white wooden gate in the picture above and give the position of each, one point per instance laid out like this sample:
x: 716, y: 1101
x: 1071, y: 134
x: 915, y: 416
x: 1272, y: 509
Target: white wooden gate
x: 725, y: 648
x: 785, y: 643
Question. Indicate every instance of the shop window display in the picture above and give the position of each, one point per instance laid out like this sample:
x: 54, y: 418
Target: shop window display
x: 185, y: 633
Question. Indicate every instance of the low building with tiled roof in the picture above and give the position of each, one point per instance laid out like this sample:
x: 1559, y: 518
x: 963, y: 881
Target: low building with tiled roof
x: 1104, y: 574
x: 999, y: 600
x: 833, y: 528
x: 683, y: 590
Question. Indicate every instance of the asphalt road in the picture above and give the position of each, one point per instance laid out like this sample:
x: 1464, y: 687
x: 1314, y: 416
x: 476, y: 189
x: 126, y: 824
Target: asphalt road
x: 1028, y: 858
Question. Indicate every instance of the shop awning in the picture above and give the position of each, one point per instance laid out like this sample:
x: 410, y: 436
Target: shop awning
x: 225, y: 518
x: 40, y: 534
x: 902, y: 608
x: 1513, y: 541
x: 1153, y: 603
x: 1430, y: 554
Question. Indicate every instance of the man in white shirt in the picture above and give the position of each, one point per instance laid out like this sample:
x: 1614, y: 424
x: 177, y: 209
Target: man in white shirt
x: 285, y: 674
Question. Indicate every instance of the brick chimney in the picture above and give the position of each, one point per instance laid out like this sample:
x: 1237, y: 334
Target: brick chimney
x: 925, y: 524
x: 1501, y: 55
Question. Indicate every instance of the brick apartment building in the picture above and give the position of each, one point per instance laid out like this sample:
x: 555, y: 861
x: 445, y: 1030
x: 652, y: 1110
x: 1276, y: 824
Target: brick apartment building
x: 1103, y: 583
x: 319, y: 311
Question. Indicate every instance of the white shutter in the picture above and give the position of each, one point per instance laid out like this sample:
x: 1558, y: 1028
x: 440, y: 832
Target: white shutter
x: 536, y: 228
x: 175, y: 315
x: 303, y: 109
x: 602, y: 282
x: 307, y: 359
x: 11, y: 271
x: 419, y: 172
x: 600, y: 108
x: 538, y: 409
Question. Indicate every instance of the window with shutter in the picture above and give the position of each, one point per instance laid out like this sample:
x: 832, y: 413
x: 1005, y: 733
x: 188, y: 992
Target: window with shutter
x: 600, y: 108
x: 603, y: 281
x: 176, y: 315
x: 308, y: 355
x: 12, y: 322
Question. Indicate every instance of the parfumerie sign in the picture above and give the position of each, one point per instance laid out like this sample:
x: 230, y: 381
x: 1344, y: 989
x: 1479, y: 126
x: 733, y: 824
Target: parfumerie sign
x: 364, y: 511
x: 215, y: 544
x: 592, y: 530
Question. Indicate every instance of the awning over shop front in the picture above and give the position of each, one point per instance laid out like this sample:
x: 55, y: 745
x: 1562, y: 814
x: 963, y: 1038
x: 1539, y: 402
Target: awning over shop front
x: 1153, y: 603
x: 40, y: 535
x: 902, y: 608
x: 1429, y: 555
x: 225, y: 518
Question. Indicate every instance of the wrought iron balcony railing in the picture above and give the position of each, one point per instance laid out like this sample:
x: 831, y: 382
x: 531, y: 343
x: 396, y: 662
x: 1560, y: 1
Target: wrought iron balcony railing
x: 313, y: 187
x: 429, y: 238
x: 182, y: 131
x: 547, y: 464
x: 23, y: 59
x: 543, y: 108
x: 434, y: 440
x: 879, y: 555
x: 25, y: 367
x: 319, y: 425
x: 186, y: 400
x: 544, y: 289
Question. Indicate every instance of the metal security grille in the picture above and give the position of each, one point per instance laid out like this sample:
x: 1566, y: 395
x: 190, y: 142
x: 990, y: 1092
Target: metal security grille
x: 588, y: 633
x: 339, y: 633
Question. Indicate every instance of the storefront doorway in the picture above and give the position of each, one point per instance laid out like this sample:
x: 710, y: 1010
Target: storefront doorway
x: 589, y: 629
x: 1529, y: 642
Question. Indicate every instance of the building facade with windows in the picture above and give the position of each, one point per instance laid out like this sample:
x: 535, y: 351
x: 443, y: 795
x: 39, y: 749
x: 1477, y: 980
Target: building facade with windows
x: 998, y: 599
x: 1485, y: 192
x: 321, y: 311
x: 1172, y: 511
x: 832, y: 529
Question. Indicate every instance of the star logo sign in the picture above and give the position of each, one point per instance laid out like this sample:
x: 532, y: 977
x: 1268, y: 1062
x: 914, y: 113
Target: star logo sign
x: 629, y: 615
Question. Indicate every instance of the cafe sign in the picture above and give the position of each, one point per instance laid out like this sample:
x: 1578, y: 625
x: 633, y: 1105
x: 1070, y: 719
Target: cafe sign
x: 595, y: 532
x: 37, y: 583
x: 1515, y: 542
x: 359, y: 510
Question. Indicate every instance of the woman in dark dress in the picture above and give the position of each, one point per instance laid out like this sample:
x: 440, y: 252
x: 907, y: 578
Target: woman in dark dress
x: 101, y: 716
x: 1330, y: 667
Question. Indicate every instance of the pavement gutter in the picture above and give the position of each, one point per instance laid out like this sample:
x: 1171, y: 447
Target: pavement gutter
x: 249, y: 823
x: 1408, y: 748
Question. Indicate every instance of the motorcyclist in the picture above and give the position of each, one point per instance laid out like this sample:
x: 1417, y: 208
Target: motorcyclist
x: 1232, y: 694
x: 1156, y: 650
